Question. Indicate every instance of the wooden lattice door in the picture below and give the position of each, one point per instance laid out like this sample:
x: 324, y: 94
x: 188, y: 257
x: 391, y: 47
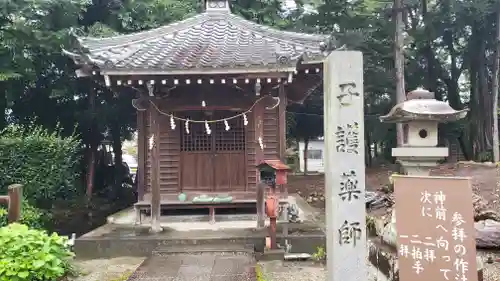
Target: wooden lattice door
x: 216, y: 161
x: 229, y: 156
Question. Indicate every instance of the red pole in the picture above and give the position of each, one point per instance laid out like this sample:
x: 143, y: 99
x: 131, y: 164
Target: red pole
x: 272, y: 233
x: 272, y: 219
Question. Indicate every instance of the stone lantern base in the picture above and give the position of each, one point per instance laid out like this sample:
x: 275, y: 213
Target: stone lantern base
x: 417, y: 161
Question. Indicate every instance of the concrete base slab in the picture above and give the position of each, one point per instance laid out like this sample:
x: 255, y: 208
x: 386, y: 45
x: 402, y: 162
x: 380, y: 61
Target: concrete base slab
x: 114, y: 241
x: 272, y: 254
x: 121, y: 237
x: 185, y: 222
x: 298, y: 257
x: 203, y: 266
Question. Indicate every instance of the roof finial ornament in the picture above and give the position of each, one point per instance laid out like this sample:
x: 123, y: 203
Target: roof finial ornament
x: 420, y: 93
x: 217, y: 6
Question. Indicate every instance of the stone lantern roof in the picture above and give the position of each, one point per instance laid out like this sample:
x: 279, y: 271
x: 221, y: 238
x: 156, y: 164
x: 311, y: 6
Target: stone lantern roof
x: 421, y: 105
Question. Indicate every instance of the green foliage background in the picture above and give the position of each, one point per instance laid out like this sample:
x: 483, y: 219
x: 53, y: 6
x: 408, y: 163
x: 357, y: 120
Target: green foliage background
x: 30, y: 216
x: 45, y: 163
x: 32, y: 255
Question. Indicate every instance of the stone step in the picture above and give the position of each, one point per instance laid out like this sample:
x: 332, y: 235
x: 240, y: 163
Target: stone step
x: 117, y: 241
x: 199, y: 263
x: 247, y: 249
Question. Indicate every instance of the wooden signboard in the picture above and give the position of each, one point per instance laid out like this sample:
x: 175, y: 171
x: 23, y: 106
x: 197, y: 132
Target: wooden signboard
x: 435, y: 224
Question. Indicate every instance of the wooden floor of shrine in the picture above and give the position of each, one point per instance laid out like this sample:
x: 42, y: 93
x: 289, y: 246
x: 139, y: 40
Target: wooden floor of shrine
x: 240, y: 200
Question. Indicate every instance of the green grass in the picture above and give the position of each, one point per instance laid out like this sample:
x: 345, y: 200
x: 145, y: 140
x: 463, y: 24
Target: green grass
x: 259, y: 274
x: 123, y: 277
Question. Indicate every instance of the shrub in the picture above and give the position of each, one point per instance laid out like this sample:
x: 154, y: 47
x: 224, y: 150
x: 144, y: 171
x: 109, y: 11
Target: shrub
x: 30, y: 216
x: 32, y: 255
x: 320, y: 254
x: 44, y: 163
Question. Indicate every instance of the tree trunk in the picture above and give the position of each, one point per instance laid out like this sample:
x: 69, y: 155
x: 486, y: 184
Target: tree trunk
x: 485, y: 100
x: 480, y: 130
x: 496, y: 72
x: 431, y: 80
x: 464, y: 149
x: 117, y: 151
x: 92, y: 146
x: 3, y: 106
x: 92, y: 151
x: 399, y: 61
x: 368, y: 150
x: 306, y: 144
x: 473, y: 124
x: 451, y: 80
x: 481, y: 98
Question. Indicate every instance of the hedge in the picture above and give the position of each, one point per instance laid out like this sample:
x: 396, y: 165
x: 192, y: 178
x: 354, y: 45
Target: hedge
x: 45, y: 163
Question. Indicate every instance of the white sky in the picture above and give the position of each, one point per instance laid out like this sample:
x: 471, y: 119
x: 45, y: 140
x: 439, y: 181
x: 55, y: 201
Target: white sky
x: 289, y: 4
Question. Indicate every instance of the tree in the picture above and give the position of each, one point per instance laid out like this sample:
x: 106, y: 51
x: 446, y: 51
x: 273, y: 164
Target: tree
x: 307, y: 121
x: 399, y: 61
x: 496, y: 73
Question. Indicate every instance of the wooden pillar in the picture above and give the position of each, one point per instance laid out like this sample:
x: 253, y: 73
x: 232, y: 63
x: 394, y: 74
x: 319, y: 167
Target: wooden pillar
x: 261, y: 214
x: 282, y: 123
x: 345, y: 166
x: 258, y: 118
x: 282, y: 153
x: 155, y: 171
x: 15, y: 203
x: 141, y: 154
x: 282, y: 132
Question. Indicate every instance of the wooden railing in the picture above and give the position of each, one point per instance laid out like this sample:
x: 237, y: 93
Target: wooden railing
x: 13, y: 201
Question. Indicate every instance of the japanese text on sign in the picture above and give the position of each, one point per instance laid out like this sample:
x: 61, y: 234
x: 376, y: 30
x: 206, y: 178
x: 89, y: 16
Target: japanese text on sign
x: 348, y: 138
x: 349, y: 188
x: 349, y: 233
x: 442, y: 247
x: 345, y: 98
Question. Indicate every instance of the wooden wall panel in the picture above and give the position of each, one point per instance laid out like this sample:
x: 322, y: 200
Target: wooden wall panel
x: 169, y: 157
x: 271, y: 134
x: 282, y: 123
x: 261, y: 122
x: 251, y: 150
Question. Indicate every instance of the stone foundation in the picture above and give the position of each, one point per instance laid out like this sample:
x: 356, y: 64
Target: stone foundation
x: 384, y: 258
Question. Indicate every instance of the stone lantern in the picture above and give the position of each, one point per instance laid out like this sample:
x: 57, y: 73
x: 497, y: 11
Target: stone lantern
x: 420, y: 115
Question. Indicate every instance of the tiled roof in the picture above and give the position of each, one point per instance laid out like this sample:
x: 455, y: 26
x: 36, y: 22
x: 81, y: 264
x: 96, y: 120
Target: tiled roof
x: 206, y: 41
x: 275, y: 164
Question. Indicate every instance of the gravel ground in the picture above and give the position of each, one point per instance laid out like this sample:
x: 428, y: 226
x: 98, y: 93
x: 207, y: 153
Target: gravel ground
x: 281, y: 271
x: 304, y: 271
x: 119, y: 269
x: 491, y: 271
x: 116, y: 269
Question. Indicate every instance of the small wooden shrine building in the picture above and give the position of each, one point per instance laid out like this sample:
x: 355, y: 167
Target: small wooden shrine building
x: 212, y: 96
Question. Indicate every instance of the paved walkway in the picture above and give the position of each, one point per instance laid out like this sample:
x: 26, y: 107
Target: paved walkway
x: 194, y: 265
